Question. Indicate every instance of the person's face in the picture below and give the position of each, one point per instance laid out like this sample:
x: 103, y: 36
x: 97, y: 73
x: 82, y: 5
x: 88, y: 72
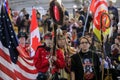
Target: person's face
x: 80, y: 24
x: 66, y: 21
x: 74, y: 32
x: 118, y: 37
x: 116, y: 41
x: 22, y: 41
x: 77, y: 14
x: 61, y: 43
x: 49, y: 43
x: 110, y: 3
x: 44, y: 18
x: 85, y: 8
x: 114, y: 28
x: 118, y: 31
x: 72, y: 21
x: 84, y: 45
x: 39, y: 23
x: 38, y: 15
x: 24, y: 11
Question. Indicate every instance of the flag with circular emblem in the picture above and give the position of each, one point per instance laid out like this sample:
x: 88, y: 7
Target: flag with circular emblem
x: 101, y: 20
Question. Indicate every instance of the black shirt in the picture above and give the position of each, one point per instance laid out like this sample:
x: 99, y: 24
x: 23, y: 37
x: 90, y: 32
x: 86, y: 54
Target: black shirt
x: 79, y: 67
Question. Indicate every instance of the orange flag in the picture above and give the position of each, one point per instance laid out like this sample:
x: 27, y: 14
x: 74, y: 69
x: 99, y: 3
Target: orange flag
x: 34, y: 33
x: 98, y: 7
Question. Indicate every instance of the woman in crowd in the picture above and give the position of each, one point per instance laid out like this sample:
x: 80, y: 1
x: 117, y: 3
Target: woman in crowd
x: 85, y: 65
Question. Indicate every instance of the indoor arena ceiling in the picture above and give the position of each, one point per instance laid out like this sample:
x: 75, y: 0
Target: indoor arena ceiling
x: 19, y: 4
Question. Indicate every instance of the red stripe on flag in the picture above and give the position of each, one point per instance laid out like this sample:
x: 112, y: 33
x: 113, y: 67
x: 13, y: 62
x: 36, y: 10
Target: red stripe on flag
x: 26, y: 69
x: 1, y: 78
x: 99, y: 13
x: 7, y: 72
x: 21, y: 76
x: 16, y: 73
x: 5, y: 56
x: 26, y: 60
x: 22, y: 52
x: 100, y: 3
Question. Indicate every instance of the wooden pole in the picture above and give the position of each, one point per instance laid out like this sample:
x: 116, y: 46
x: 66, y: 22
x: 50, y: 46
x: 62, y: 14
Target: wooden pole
x: 106, y: 26
x: 54, y: 46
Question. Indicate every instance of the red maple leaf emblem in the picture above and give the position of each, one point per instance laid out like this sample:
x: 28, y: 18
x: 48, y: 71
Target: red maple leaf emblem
x: 35, y: 42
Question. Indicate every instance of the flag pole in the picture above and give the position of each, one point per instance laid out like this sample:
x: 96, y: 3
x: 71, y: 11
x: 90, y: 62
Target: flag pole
x: 54, y: 46
x: 102, y: 50
x: 106, y: 26
x: 84, y: 29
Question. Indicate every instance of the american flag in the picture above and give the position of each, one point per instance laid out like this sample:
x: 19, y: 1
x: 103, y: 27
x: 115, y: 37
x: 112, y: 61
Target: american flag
x: 23, y: 69
x: 7, y: 35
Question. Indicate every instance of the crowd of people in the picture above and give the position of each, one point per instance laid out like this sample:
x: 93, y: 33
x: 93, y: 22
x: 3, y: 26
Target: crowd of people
x: 75, y: 57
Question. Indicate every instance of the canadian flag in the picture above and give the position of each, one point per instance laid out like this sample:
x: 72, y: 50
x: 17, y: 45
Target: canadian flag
x: 34, y: 33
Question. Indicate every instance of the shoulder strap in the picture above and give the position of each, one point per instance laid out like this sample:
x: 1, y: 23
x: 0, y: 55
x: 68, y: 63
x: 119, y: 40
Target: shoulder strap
x: 81, y: 64
x: 94, y: 65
